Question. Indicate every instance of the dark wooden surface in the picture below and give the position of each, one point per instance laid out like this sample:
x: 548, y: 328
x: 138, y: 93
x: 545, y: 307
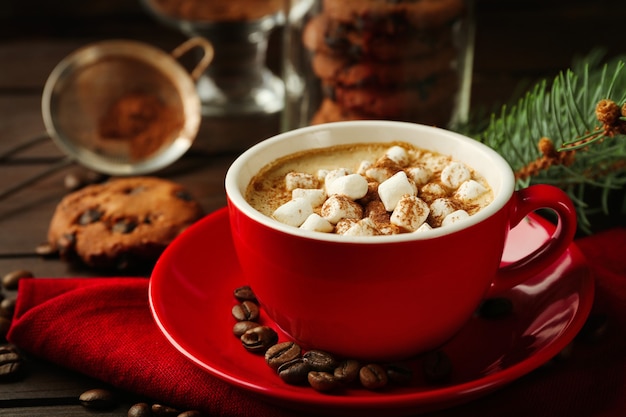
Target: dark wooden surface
x: 518, y: 42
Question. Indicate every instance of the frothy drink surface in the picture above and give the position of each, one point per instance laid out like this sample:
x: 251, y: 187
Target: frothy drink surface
x: 368, y: 189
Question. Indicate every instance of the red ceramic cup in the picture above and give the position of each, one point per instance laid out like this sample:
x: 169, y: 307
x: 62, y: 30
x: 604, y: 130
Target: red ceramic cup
x: 386, y: 297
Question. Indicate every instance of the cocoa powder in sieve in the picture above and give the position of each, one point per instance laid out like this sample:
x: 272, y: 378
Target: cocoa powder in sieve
x: 142, y: 120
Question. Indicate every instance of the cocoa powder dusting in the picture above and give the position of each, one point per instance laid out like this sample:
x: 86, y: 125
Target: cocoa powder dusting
x: 142, y: 120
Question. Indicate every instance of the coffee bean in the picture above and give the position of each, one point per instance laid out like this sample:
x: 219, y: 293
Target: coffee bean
x: 5, y: 325
x: 243, y: 326
x: 160, y: 410
x: 320, y: 361
x: 259, y: 339
x: 244, y: 293
x: 347, y: 371
x: 45, y: 249
x: 140, y: 410
x: 247, y: 310
x: 11, y: 363
x: 373, y: 376
x: 594, y: 329
x: 282, y: 353
x: 295, y: 372
x: 496, y: 308
x: 7, y: 307
x: 399, y: 373
x: 11, y: 280
x: 437, y: 367
x: 98, y: 399
x: 322, y: 381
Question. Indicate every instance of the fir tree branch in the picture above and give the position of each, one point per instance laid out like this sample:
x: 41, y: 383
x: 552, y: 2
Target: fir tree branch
x: 587, y: 142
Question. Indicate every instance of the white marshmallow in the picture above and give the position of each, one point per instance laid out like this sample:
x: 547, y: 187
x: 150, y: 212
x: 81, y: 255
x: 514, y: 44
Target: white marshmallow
x: 455, y: 174
x: 343, y: 225
x: 353, y: 186
x: 338, y: 207
x: 419, y: 174
x: 316, y: 223
x: 315, y: 197
x: 423, y: 228
x: 439, y: 209
x: 432, y: 191
x: 379, y: 174
x: 454, y: 217
x: 295, y: 180
x: 470, y: 190
x: 332, y: 175
x: 391, y: 190
x: 398, y: 154
x: 363, y: 167
x: 410, y: 213
x: 321, y: 174
x: 364, y: 227
x: 293, y: 212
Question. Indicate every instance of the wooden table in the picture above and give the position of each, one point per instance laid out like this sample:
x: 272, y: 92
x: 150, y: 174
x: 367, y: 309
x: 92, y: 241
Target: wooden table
x: 517, y: 41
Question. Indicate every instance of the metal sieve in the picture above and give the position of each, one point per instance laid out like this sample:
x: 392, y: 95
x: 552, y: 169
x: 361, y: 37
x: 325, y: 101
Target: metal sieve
x: 85, y: 84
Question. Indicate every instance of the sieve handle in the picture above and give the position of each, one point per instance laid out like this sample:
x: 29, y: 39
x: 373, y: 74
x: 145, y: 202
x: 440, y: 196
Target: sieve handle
x: 207, y: 57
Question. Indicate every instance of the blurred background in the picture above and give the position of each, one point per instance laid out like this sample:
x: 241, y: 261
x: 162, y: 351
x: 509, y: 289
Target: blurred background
x: 517, y: 41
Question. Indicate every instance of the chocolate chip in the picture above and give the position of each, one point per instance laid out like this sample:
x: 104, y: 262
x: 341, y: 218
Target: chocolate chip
x: 89, y: 216
x: 183, y: 195
x: 124, y: 226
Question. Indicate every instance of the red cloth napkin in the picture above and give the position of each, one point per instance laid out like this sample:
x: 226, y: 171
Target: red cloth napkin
x: 103, y: 327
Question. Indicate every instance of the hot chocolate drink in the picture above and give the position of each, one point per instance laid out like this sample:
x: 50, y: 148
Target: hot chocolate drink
x: 368, y: 189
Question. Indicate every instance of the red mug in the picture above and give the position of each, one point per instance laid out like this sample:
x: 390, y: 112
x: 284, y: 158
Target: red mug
x: 386, y: 297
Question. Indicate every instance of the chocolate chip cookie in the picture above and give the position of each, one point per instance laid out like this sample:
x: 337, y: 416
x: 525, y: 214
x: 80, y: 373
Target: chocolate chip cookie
x: 123, y: 223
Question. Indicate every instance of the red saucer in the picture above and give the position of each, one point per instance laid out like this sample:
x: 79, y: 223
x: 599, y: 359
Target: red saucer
x: 191, y: 299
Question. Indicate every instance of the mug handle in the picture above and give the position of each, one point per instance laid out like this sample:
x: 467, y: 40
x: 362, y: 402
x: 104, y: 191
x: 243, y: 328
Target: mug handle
x: 526, y: 201
x: 207, y: 55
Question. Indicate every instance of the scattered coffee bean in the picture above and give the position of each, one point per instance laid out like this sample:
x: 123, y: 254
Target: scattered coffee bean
x: 45, y: 249
x: 399, y: 373
x: 11, y: 363
x: 11, y: 280
x: 80, y: 178
x: 347, y: 371
x: 247, y: 310
x: 594, y: 329
x: 496, y: 308
x: 437, y: 367
x: 243, y: 326
x: 244, y: 293
x: 373, y: 376
x: 98, y: 399
x: 259, y: 339
x: 320, y: 361
x: 322, y: 381
x: 7, y: 307
x: 140, y: 410
x: 295, y: 372
x: 282, y: 353
x: 161, y: 410
x: 5, y: 325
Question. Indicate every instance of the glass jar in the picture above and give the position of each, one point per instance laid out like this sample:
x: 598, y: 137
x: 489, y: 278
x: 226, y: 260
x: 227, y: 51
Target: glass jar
x: 405, y: 60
